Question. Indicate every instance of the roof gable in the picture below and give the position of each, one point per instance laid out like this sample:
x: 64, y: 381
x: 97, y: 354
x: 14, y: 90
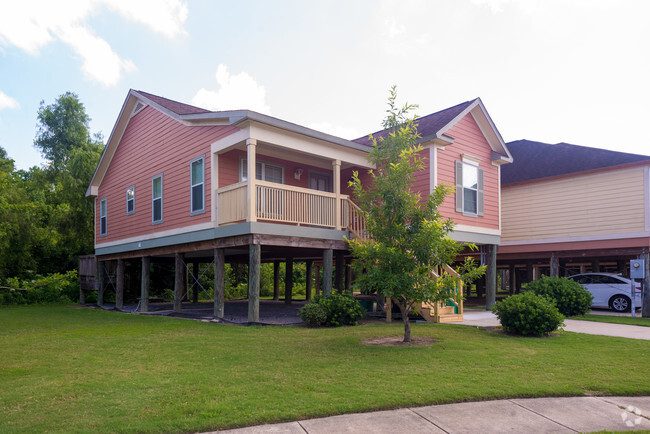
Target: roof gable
x: 537, y: 160
x: 435, y: 125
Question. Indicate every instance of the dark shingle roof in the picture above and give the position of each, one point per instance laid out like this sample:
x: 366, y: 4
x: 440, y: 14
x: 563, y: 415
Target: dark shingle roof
x: 536, y: 160
x: 427, y: 125
x: 177, y: 107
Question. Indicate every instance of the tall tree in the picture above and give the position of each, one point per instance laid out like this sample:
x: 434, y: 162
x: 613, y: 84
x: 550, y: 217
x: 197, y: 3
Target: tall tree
x: 408, y: 238
x: 72, y: 155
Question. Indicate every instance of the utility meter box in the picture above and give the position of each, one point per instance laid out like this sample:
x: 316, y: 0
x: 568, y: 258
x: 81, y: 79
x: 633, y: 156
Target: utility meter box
x: 636, y: 269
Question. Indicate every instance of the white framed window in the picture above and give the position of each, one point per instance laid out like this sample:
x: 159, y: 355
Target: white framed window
x: 157, y: 199
x: 264, y: 171
x: 103, y: 223
x: 469, y: 189
x: 130, y: 200
x: 197, y: 185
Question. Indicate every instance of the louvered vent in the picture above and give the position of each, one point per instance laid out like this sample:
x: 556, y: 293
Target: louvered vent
x: 138, y: 108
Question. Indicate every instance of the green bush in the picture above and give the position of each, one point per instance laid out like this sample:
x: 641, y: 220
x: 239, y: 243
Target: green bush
x: 314, y: 314
x: 528, y: 314
x: 569, y: 296
x: 340, y: 309
x: 53, y: 288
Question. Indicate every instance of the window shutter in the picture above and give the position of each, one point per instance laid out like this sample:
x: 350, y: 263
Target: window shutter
x: 480, y: 205
x: 459, y: 186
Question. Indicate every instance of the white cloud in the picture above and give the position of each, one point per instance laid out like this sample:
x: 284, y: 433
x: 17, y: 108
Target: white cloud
x: 32, y: 24
x: 239, y: 91
x: 7, y: 102
x: 336, y: 130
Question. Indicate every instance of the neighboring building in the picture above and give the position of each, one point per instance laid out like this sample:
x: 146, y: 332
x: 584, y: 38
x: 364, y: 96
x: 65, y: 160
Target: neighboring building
x: 173, y: 184
x: 569, y: 209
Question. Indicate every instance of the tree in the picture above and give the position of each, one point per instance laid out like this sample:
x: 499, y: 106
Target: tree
x: 408, y: 238
x: 64, y: 139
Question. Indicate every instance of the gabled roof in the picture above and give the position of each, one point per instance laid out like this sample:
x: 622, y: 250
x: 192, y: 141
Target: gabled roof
x: 195, y: 116
x: 537, y: 160
x: 435, y: 125
x: 177, y: 107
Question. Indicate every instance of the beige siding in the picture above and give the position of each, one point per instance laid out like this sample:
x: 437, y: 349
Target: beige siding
x: 604, y: 203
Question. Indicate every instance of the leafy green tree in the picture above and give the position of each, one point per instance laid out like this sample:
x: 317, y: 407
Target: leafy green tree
x: 408, y: 238
x: 72, y: 155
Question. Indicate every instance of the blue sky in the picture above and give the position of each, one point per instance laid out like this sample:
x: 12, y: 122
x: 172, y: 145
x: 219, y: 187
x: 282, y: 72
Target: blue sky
x: 553, y: 71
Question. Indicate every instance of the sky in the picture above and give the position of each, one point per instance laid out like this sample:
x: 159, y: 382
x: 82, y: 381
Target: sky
x: 547, y: 70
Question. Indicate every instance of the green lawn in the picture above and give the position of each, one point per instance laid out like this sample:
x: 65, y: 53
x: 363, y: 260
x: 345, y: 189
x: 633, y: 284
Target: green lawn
x: 68, y: 369
x: 615, y: 319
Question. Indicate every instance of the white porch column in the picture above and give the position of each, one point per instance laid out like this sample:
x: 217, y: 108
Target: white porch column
x: 336, y: 166
x: 250, y: 163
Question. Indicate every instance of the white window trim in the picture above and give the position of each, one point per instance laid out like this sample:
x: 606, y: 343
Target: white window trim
x: 202, y: 183
x: 473, y: 164
x: 470, y: 159
x: 127, y: 200
x: 157, y: 222
x: 242, y: 161
x: 104, y: 216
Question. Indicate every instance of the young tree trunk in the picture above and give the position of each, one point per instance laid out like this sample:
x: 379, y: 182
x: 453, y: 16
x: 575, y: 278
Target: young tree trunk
x: 404, y: 308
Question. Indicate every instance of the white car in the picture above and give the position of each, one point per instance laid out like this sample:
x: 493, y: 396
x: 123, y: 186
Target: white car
x: 610, y: 290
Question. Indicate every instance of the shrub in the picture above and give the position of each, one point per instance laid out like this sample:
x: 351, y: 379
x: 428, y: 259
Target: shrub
x: 53, y: 288
x: 340, y: 309
x: 570, y: 297
x: 528, y: 314
x: 314, y: 314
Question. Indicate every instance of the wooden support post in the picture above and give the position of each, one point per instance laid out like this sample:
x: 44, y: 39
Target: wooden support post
x: 179, y: 279
x: 327, y: 271
x: 195, y: 286
x: 119, y: 285
x: 348, y: 275
x: 276, y: 280
x: 530, y: 271
x: 595, y: 266
x: 336, y: 167
x: 388, y: 307
x: 254, y: 260
x: 288, y: 281
x: 309, y: 279
x: 513, y: 279
x: 621, y: 266
x: 490, y: 276
x: 555, y: 265
x: 317, y: 278
x: 251, y: 144
x: 340, y: 271
x: 144, y: 283
x: 219, y: 282
x: 101, y: 282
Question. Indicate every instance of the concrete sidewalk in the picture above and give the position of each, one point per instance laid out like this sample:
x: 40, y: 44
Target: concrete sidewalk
x: 538, y: 415
x: 482, y: 318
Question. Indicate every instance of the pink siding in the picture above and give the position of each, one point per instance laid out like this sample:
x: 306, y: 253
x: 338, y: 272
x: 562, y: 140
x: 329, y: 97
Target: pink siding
x: 154, y: 143
x: 421, y: 183
x: 469, y: 140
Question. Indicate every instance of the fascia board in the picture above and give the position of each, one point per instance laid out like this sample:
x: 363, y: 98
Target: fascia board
x: 114, y: 138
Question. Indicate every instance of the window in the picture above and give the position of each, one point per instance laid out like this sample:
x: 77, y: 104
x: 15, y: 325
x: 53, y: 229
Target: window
x: 469, y: 189
x: 263, y: 171
x: 102, y: 218
x: 197, y: 193
x: 130, y: 200
x: 157, y: 199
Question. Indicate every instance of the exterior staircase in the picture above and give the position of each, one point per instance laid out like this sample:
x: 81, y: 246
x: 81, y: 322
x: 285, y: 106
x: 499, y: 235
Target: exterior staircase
x: 449, y: 310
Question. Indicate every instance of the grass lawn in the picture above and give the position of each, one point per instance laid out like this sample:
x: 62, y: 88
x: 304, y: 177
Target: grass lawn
x: 69, y: 369
x: 614, y: 319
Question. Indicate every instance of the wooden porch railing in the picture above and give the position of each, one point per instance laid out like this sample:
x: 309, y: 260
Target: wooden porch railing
x: 287, y: 204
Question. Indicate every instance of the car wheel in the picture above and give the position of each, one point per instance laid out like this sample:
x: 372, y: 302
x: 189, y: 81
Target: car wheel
x: 620, y: 303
